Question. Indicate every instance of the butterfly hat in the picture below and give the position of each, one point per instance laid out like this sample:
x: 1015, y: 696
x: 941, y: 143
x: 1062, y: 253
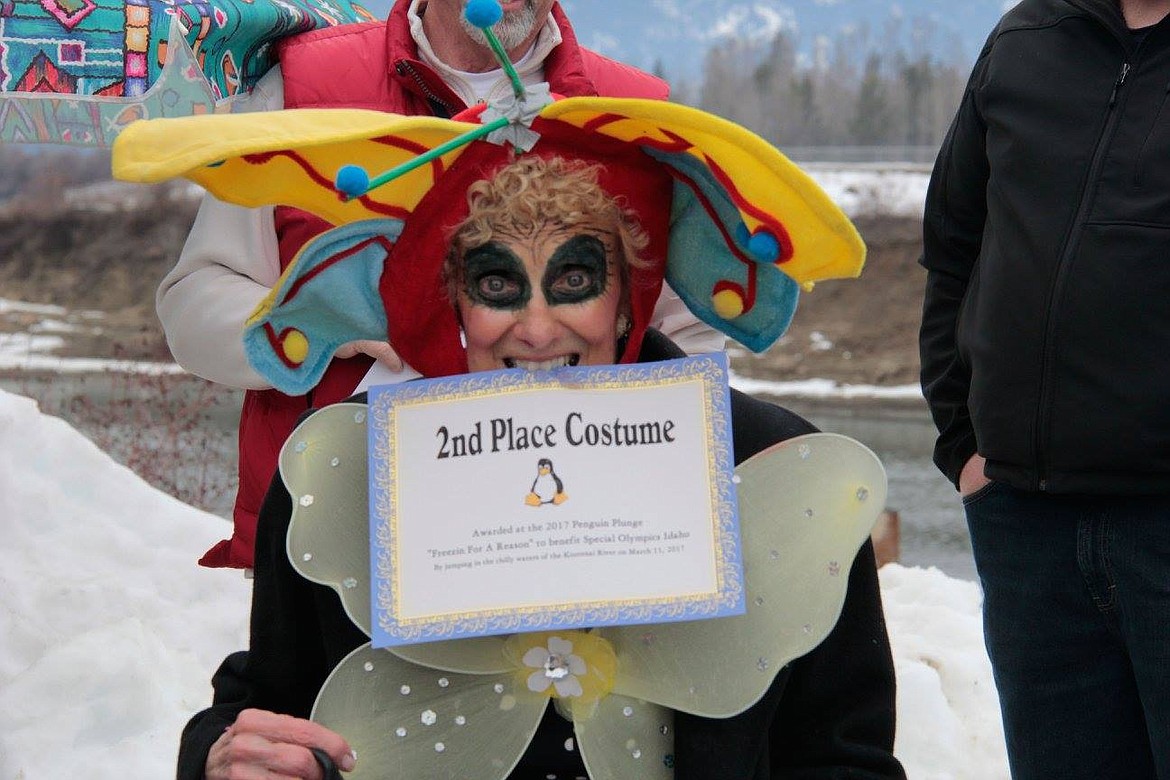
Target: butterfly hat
x: 734, y: 227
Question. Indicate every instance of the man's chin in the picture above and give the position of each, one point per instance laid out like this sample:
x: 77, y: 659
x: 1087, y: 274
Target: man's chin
x: 513, y: 30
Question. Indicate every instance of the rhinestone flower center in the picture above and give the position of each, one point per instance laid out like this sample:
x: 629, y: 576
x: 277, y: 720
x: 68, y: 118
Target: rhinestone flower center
x: 556, y: 667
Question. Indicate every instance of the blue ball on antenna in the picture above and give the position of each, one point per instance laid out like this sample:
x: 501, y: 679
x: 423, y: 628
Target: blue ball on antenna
x: 352, y: 181
x: 764, y: 247
x: 483, y: 13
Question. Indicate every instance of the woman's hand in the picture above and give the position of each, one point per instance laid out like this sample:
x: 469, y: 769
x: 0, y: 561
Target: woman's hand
x: 971, y: 478
x: 262, y: 744
x: 380, y: 351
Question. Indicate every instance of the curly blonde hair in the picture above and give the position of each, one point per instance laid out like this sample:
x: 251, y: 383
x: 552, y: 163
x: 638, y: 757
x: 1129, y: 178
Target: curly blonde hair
x: 533, y: 192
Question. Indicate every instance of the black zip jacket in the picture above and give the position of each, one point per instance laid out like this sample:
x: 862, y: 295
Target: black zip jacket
x: 1045, y: 336
x: 828, y: 716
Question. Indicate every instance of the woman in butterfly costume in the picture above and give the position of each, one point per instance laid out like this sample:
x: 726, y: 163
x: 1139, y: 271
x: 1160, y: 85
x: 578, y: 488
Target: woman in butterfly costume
x: 544, y: 270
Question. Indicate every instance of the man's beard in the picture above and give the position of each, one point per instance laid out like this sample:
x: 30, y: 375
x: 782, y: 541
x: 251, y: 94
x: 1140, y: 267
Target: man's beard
x: 512, y: 30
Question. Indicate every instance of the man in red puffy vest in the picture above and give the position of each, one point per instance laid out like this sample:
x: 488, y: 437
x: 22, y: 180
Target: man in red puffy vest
x: 424, y: 59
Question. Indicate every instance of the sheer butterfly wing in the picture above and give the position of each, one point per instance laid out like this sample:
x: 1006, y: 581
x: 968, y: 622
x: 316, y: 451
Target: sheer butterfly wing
x: 805, y: 507
x: 408, y: 722
x: 324, y: 467
x: 627, y: 739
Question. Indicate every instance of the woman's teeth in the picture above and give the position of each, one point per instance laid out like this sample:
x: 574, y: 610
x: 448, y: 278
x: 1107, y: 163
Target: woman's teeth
x: 542, y: 365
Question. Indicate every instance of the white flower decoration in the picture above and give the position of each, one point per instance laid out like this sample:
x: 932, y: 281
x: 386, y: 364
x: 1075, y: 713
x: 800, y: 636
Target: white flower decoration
x: 556, y: 666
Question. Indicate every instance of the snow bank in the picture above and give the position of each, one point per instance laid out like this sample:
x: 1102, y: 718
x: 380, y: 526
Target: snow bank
x: 110, y: 631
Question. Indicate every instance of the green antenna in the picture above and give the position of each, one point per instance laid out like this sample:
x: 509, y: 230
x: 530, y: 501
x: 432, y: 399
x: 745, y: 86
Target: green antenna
x: 352, y: 181
x: 485, y: 14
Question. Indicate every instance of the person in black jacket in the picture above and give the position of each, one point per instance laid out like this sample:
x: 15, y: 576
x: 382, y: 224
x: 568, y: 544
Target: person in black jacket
x: 1044, y: 339
x: 540, y: 273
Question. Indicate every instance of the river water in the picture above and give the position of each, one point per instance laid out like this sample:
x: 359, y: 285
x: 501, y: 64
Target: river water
x: 179, y: 433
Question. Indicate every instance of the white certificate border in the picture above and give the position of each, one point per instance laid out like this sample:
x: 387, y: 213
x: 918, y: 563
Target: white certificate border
x: 727, y: 598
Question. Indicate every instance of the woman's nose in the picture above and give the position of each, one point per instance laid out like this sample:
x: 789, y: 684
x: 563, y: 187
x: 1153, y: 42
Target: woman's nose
x: 537, y: 325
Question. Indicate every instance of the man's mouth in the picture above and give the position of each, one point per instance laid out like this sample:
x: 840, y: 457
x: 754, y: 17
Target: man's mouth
x: 543, y: 365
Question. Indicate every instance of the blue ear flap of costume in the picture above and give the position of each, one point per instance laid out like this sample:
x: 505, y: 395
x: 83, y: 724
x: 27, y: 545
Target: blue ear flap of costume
x: 327, y: 297
x: 726, y: 277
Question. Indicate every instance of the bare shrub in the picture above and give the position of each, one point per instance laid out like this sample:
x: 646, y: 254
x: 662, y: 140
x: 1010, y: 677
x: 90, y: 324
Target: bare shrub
x: 175, y: 431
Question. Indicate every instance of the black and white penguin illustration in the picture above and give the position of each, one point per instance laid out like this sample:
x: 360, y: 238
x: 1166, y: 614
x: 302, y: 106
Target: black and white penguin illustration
x: 547, y: 488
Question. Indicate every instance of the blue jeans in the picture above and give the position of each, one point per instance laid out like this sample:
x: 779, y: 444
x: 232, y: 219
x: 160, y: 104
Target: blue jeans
x: 1076, y: 617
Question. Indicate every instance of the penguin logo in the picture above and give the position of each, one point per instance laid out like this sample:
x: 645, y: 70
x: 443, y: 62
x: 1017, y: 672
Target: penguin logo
x: 547, y: 488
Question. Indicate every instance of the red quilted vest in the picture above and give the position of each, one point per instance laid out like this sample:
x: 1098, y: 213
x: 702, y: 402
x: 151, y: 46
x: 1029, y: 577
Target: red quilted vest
x: 372, y: 65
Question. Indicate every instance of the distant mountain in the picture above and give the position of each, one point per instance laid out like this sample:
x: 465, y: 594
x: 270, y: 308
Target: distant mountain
x: 675, y: 34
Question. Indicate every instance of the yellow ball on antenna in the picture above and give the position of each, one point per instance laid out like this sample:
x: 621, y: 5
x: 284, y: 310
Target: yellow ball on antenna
x: 728, y: 304
x: 295, y: 346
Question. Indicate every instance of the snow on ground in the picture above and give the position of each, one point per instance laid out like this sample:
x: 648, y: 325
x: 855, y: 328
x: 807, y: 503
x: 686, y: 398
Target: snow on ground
x: 949, y: 726
x: 821, y: 388
x: 109, y: 631
x: 33, y: 349
x: 873, y: 189
x: 46, y: 309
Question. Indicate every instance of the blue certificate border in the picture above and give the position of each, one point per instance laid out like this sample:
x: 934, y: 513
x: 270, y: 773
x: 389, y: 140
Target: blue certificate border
x: 384, y: 400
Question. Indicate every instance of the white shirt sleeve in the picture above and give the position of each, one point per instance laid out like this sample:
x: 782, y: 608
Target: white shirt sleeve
x: 674, y: 319
x: 228, y: 264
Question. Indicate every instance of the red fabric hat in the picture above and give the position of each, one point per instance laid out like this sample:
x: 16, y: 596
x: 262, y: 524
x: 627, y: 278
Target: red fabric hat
x: 421, y: 318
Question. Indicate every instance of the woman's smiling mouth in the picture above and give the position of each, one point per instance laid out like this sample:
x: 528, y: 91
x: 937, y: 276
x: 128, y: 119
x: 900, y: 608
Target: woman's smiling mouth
x: 543, y: 365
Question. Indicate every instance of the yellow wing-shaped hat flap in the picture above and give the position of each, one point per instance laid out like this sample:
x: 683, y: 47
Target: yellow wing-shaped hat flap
x: 290, y: 157
x: 745, y: 228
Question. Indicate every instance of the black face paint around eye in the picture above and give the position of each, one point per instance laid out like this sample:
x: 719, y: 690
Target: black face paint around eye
x: 578, y: 271
x: 495, y: 277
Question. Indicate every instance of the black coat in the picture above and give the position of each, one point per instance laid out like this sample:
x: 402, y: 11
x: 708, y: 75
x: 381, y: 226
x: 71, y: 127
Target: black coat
x: 829, y: 714
x: 1046, y: 325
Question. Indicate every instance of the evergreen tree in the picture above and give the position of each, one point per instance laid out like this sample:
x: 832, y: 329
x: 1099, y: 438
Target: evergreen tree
x: 846, y: 91
x: 871, y: 114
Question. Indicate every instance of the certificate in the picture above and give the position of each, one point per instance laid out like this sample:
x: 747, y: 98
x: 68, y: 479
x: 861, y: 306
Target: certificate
x: 512, y: 501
